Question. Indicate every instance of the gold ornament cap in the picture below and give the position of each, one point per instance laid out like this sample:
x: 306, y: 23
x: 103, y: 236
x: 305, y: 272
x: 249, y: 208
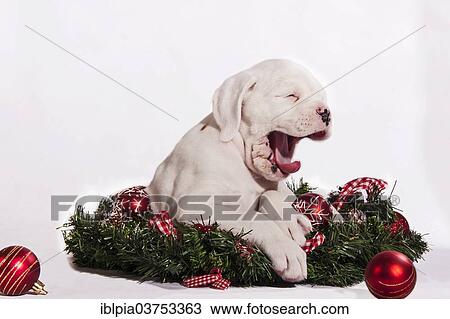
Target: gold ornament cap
x: 38, y: 288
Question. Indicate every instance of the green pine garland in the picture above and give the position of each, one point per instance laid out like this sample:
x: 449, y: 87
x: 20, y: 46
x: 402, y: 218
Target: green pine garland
x: 133, y: 247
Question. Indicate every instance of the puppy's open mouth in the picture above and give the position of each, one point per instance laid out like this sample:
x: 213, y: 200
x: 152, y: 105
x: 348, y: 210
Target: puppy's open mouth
x: 283, y: 146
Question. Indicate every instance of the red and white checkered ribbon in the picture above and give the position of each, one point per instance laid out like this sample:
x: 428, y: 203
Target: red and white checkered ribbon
x: 362, y: 183
x: 213, y: 279
x: 311, y: 244
x: 163, y: 223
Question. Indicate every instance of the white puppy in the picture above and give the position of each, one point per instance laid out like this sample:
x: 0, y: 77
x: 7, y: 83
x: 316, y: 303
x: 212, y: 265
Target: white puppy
x: 245, y: 148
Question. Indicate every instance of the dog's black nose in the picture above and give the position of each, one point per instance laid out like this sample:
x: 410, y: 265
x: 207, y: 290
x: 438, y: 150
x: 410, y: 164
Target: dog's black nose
x: 325, y: 114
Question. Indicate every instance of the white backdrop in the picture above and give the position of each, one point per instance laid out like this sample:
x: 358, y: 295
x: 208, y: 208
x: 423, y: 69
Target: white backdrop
x: 66, y: 129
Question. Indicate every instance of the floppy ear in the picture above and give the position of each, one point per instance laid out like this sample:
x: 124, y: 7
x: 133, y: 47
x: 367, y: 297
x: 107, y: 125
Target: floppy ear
x: 227, y: 104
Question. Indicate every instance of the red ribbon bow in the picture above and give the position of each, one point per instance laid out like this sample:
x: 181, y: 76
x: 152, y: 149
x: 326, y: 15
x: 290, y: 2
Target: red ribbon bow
x: 362, y: 183
x: 213, y: 279
x: 163, y: 223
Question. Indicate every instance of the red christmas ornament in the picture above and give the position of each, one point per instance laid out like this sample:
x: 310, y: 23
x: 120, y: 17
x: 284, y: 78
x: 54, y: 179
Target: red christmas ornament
x: 400, y: 224
x: 129, y: 203
x: 315, y: 207
x: 390, y: 274
x: 133, y: 200
x: 19, y: 272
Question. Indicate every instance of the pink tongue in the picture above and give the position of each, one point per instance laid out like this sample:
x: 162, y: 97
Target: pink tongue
x: 282, y: 156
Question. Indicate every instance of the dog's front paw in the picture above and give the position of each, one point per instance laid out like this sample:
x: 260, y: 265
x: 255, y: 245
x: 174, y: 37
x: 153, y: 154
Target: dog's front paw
x: 288, y: 259
x: 296, y: 228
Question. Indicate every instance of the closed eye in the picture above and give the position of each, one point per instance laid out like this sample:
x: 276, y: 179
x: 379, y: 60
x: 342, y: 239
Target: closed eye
x: 293, y: 96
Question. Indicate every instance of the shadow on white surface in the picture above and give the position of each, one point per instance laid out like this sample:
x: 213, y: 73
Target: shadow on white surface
x: 433, y: 282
